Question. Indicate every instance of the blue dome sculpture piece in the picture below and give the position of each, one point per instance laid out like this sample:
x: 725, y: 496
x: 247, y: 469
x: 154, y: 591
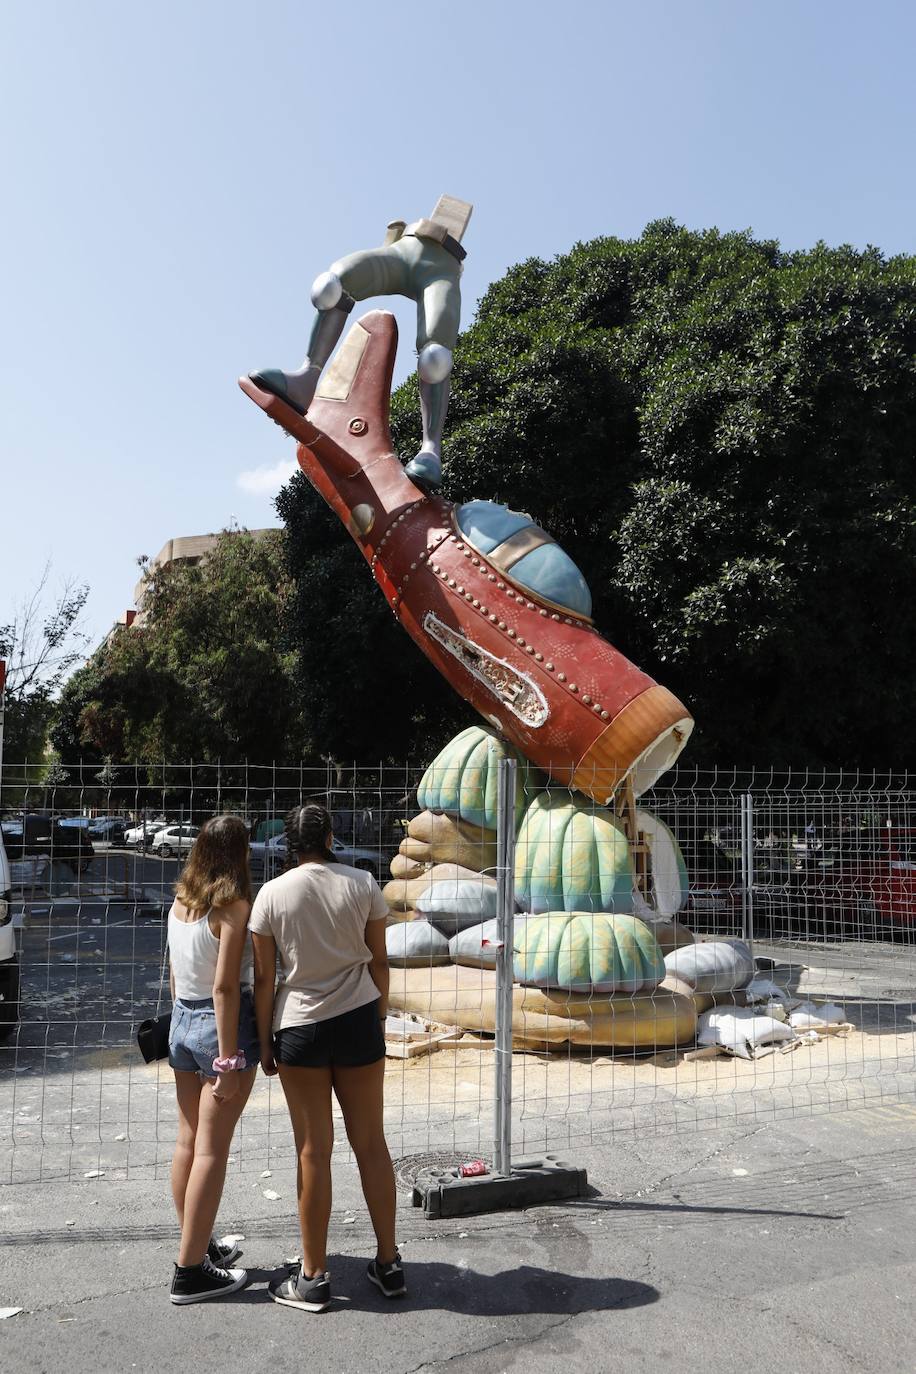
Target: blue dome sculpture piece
x: 526, y: 554
x: 486, y: 524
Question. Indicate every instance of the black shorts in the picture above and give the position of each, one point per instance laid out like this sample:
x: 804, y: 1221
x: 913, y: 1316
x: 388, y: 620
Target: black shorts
x: 352, y: 1040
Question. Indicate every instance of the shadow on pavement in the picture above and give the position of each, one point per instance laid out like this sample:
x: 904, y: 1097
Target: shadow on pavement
x: 283, y: 1228
x: 434, y: 1286
x: 686, y: 1211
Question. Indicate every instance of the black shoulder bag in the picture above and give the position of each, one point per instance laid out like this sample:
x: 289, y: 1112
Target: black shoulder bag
x: 153, y: 1034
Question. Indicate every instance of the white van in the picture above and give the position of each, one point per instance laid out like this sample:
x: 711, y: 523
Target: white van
x: 9, y: 964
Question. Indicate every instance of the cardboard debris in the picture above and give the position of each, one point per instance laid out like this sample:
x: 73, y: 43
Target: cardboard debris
x: 406, y: 1027
x: 803, y: 1022
x: 742, y: 1031
x: 468, y: 1041
x: 705, y: 1052
x: 408, y: 1036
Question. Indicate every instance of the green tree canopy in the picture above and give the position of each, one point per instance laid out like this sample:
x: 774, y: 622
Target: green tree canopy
x: 722, y: 435
x: 206, y: 675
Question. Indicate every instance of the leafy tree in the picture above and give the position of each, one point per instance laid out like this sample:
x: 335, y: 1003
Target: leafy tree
x: 205, y: 674
x: 722, y: 435
x: 41, y: 645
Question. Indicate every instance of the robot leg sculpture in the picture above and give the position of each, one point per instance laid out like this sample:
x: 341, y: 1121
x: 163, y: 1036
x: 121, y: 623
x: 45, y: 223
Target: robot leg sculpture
x: 375, y: 271
x: 298, y: 388
x: 438, y: 318
x: 421, y: 261
x: 434, y: 366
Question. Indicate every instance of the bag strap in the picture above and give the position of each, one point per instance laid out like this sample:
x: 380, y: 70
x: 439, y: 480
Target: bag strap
x: 165, y: 958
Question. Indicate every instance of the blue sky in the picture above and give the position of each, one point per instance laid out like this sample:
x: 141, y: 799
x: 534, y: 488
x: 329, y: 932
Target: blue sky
x: 176, y: 174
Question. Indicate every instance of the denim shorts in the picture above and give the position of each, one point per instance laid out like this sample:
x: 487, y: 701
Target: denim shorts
x: 351, y: 1040
x: 193, y: 1042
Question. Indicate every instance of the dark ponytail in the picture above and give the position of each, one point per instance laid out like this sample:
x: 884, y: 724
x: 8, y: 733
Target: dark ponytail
x: 307, y: 830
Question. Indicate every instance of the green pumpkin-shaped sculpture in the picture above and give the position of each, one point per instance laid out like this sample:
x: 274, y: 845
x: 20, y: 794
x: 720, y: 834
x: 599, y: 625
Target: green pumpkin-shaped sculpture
x: 587, y: 952
x: 462, y: 778
x: 572, y: 856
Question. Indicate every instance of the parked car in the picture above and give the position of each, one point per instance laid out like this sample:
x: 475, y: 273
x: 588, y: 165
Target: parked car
x: 9, y: 961
x: 270, y: 856
x: 37, y: 835
x: 891, y: 884
x: 109, y: 829
x: 714, y: 895
x: 850, y: 881
x: 174, y: 839
x: 142, y: 834
x: 268, y: 828
x: 356, y: 857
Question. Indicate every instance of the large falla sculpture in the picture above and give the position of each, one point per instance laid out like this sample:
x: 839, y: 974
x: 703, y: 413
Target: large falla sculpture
x: 502, y: 612
x: 489, y: 597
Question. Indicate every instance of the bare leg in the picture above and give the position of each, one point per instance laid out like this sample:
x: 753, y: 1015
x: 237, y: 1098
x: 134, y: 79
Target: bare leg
x: 360, y: 1093
x: 308, y: 1097
x: 187, y: 1086
x: 216, y: 1123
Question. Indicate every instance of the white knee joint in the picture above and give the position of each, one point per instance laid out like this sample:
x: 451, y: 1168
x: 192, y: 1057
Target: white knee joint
x: 326, y: 291
x: 434, y: 363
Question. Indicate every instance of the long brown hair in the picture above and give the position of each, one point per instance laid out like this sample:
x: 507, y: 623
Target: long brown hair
x: 217, y: 872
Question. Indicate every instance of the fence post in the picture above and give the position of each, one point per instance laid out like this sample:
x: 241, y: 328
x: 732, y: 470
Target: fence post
x: 747, y: 869
x: 530, y: 1181
x: 505, y: 912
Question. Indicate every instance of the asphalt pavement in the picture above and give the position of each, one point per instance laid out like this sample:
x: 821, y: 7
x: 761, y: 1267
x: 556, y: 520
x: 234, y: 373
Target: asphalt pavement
x: 90, y: 951
x: 790, y: 1245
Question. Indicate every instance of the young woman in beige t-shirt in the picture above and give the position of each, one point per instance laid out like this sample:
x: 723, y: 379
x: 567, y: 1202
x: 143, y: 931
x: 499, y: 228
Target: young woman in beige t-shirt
x: 321, y: 1028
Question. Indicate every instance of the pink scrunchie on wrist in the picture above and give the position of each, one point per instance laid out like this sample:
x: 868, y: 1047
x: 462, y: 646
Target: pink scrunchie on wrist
x: 230, y: 1063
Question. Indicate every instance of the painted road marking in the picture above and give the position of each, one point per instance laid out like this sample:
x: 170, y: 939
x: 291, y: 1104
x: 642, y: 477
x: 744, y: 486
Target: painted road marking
x: 75, y: 934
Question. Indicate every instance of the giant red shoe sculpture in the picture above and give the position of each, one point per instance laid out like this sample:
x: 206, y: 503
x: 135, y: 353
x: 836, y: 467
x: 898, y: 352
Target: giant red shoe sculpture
x: 498, y: 607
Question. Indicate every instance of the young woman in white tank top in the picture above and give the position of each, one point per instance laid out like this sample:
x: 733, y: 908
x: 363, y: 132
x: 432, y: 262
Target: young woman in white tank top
x: 213, y: 1045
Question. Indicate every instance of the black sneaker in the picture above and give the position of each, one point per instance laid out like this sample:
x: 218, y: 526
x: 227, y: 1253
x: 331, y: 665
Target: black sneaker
x: 198, y: 1282
x: 312, y: 1295
x: 389, y: 1278
x: 223, y: 1255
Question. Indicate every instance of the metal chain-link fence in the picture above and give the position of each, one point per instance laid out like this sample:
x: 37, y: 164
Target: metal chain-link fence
x: 811, y: 876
